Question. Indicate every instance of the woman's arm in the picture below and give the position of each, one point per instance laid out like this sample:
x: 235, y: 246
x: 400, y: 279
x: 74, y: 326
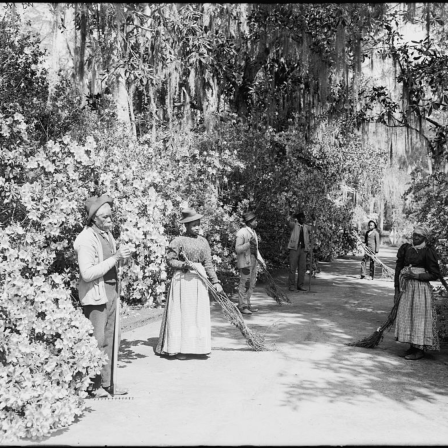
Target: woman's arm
x: 431, y: 265
x: 172, y: 256
x: 377, y: 242
x: 400, y: 264
x: 208, y: 264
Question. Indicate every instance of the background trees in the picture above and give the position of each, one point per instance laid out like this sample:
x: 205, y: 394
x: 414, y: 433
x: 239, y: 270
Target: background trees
x: 328, y: 108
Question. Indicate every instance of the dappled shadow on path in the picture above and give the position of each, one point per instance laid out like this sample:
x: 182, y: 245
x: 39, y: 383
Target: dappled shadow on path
x: 345, y: 374
x: 127, y: 354
x: 311, y: 333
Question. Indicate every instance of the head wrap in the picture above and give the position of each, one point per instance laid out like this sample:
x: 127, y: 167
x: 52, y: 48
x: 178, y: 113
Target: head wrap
x: 422, y: 230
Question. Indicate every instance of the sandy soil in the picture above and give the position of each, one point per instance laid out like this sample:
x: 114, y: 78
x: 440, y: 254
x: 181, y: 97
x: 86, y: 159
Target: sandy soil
x: 311, y: 389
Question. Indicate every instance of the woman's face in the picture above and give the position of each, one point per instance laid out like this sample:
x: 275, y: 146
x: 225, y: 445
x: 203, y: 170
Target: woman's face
x: 193, y: 227
x: 417, y: 239
x: 371, y: 225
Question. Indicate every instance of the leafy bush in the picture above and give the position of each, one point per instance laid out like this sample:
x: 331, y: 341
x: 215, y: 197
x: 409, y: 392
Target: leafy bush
x: 47, y: 351
x: 55, y: 154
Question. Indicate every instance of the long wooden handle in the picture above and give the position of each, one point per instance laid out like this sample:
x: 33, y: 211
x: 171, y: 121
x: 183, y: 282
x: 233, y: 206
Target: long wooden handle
x: 116, y: 332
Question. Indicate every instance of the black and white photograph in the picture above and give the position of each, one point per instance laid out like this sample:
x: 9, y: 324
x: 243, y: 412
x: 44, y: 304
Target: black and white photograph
x: 223, y: 224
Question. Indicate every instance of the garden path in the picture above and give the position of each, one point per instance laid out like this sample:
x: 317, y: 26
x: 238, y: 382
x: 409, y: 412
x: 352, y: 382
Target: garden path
x: 313, y: 389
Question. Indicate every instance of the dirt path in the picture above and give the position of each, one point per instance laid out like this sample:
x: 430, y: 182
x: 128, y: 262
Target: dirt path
x: 312, y: 390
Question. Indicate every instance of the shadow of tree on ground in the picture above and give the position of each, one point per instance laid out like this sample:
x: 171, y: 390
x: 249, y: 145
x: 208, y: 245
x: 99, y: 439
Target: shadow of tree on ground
x: 127, y: 355
x: 311, y: 334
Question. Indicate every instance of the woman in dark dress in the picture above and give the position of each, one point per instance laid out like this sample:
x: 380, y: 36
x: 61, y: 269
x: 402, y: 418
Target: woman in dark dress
x: 416, y: 317
x: 372, y: 241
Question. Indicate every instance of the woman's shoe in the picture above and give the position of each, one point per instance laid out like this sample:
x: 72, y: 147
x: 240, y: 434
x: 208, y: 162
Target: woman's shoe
x: 418, y: 354
x: 410, y: 350
x: 181, y: 356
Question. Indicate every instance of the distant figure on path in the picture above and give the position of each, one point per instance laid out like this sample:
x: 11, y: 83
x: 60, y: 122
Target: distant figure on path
x: 299, y: 246
x: 372, y: 241
x: 416, y: 315
x: 98, y: 284
x: 246, y: 248
x: 186, y: 328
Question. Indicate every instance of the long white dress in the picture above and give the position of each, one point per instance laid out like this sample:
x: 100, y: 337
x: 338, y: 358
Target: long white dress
x: 186, y: 325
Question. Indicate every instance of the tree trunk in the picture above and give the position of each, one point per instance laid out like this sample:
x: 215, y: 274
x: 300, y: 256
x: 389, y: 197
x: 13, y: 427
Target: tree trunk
x: 381, y: 213
x: 82, y: 50
x: 122, y: 98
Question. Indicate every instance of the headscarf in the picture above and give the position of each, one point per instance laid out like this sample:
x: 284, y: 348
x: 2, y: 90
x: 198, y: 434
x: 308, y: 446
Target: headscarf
x: 422, y: 230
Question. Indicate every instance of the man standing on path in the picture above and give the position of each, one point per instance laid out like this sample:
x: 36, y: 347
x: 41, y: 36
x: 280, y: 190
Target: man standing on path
x: 372, y: 241
x: 246, y: 248
x: 98, y: 284
x: 299, y: 245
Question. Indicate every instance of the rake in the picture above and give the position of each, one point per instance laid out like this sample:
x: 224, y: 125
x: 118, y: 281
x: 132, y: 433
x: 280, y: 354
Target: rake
x: 387, y: 272
x: 374, y: 339
x: 271, y: 287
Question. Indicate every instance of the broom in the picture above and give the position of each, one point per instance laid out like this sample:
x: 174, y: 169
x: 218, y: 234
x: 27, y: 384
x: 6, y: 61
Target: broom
x: 230, y: 311
x: 386, y: 270
x: 373, y: 340
x: 271, y: 287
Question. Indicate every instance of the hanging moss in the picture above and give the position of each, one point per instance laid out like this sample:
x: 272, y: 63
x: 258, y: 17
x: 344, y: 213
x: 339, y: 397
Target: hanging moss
x: 340, y: 61
x: 411, y: 10
x: 305, y: 51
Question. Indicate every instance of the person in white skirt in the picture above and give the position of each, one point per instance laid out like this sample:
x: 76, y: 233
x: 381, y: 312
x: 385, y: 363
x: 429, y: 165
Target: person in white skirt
x: 186, y: 330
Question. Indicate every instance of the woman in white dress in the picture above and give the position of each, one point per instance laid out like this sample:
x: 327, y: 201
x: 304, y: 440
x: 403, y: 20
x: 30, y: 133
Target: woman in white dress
x: 185, y: 328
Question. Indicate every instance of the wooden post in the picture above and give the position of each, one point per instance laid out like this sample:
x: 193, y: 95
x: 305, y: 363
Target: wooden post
x: 116, y: 333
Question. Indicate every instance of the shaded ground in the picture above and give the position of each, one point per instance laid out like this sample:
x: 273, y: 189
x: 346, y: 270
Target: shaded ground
x: 136, y: 317
x: 311, y: 390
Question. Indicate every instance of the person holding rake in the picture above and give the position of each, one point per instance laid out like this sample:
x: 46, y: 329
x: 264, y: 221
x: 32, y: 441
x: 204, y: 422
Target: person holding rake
x: 186, y: 329
x: 372, y: 241
x: 246, y: 248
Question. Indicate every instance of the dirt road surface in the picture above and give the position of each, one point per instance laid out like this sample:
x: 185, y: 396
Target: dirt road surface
x: 311, y: 390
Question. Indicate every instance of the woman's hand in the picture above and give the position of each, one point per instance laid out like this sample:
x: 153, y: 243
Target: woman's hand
x: 218, y: 287
x: 186, y: 266
x: 410, y: 276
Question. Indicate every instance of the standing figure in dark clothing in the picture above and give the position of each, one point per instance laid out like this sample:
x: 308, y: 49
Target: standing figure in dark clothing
x: 416, y: 316
x: 298, y: 246
x: 372, y: 241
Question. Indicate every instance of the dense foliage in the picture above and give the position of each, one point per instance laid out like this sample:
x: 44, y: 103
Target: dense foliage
x: 225, y: 108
